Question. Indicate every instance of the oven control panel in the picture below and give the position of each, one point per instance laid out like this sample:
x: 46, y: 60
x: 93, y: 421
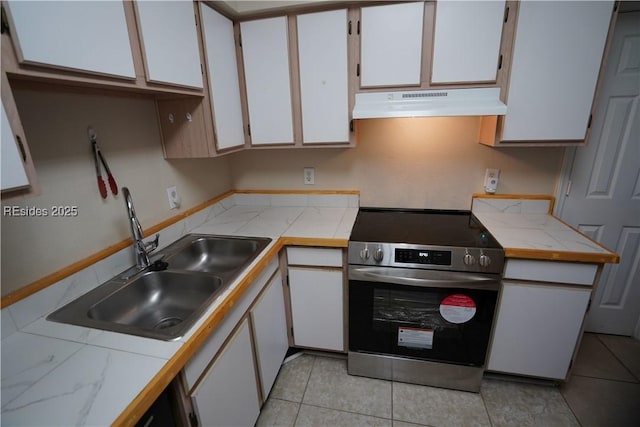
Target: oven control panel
x: 425, y: 257
x: 422, y: 256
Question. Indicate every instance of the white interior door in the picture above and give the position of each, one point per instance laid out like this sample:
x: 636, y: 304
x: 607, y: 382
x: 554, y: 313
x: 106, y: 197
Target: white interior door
x: 604, y: 197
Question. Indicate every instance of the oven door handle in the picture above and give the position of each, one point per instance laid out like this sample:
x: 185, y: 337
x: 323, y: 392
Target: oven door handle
x: 424, y: 278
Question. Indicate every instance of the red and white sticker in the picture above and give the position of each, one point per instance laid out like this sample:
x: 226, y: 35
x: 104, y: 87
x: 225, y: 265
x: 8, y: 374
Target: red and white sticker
x: 457, y: 308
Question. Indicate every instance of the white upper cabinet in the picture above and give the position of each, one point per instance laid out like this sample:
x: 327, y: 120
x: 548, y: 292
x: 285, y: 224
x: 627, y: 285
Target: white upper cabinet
x: 557, y: 53
x: 14, y: 175
x: 76, y: 35
x: 220, y: 50
x: 265, y: 51
x: 391, y: 45
x: 169, y: 42
x: 324, y: 82
x: 466, y: 46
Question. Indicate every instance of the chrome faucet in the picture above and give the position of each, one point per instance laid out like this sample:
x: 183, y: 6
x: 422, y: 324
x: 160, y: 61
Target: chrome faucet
x: 142, y: 249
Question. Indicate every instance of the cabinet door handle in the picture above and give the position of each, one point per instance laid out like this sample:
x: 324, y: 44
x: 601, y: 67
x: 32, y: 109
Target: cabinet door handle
x: 23, y: 152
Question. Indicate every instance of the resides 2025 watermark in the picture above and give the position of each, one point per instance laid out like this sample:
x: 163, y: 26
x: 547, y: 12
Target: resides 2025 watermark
x: 34, y: 211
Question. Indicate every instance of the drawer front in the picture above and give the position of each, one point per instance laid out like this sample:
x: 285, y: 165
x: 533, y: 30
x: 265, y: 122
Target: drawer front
x: 323, y: 257
x: 551, y: 271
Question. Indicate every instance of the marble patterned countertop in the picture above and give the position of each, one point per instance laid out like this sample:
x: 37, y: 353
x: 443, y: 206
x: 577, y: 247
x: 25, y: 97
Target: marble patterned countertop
x: 526, y: 229
x: 57, y: 374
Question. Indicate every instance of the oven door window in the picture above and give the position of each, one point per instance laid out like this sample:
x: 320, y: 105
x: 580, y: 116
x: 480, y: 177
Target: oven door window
x: 440, y: 324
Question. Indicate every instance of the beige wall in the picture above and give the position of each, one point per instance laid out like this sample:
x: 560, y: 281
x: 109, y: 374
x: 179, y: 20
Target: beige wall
x: 417, y: 163
x: 56, y: 127
x: 414, y: 163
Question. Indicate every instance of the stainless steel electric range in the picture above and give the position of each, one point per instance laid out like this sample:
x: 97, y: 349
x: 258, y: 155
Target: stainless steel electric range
x: 423, y: 287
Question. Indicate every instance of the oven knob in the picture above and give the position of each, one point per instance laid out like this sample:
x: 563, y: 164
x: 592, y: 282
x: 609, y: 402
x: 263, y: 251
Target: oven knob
x: 364, y: 254
x: 378, y: 254
x: 468, y: 259
x: 484, y: 260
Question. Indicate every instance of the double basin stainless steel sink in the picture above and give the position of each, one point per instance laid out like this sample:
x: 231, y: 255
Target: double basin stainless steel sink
x: 165, y: 304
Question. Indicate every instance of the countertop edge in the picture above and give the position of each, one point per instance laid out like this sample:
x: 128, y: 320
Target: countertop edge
x: 549, y: 255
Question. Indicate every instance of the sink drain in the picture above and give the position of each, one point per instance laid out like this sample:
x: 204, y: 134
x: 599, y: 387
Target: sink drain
x: 167, y: 323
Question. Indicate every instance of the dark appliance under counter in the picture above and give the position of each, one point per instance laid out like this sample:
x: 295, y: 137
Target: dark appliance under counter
x: 423, y: 288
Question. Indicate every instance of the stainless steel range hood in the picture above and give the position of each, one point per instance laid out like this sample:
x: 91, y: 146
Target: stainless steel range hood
x: 429, y: 103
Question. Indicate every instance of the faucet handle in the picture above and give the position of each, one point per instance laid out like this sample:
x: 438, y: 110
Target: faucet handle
x: 152, y: 245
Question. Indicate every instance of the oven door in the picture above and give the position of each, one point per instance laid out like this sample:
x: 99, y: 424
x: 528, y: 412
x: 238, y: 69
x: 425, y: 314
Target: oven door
x: 430, y: 315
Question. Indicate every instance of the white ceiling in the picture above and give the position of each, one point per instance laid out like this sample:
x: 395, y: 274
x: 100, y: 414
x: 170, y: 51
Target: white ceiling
x: 250, y: 6
x: 241, y: 8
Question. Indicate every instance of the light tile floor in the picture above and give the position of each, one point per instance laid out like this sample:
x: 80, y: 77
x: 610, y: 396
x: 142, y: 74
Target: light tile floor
x: 314, y: 390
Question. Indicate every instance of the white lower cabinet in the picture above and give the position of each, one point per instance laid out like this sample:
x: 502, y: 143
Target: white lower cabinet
x: 317, y: 301
x: 194, y: 369
x: 270, y: 333
x: 222, y: 380
x: 227, y: 394
x: 537, y: 328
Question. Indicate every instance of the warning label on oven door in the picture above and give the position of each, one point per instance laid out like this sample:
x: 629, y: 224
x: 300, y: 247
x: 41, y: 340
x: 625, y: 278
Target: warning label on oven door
x: 415, y: 337
x: 457, y: 308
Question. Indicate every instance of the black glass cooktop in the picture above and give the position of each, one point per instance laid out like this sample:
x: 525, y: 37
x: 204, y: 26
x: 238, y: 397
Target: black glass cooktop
x: 421, y: 227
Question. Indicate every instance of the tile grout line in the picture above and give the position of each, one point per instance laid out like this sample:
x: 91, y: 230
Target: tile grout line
x: 634, y: 381
x: 486, y: 408
x: 295, y: 421
x: 618, y: 359
x: 392, y: 415
x: 354, y: 413
x: 569, y: 406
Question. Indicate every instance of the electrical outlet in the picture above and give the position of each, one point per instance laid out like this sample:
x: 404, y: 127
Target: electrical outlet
x: 174, y: 198
x: 491, y: 177
x: 309, y: 176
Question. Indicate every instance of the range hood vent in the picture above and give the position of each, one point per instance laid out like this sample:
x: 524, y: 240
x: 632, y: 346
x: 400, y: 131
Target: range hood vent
x: 429, y: 103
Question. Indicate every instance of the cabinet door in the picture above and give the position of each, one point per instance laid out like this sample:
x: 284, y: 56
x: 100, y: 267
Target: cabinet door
x: 391, y: 45
x: 466, y: 44
x: 324, y: 86
x: 537, y: 329
x: 265, y: 51
x: 76, y: 35
x: 270, y: 332
x: 198, y: 363
x: 557, y: 53
x: 14, y: 175
x: 317, y: 302
x: 220, y: 50
x: 170, y: 42
x: 228, y: 393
